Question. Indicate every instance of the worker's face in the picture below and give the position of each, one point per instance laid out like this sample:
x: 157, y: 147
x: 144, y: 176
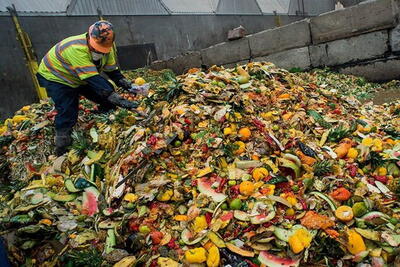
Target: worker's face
x: 96, y: 56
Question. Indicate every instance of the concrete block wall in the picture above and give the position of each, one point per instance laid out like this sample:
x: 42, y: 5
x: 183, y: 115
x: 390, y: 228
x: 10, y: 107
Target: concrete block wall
x: 357, y: 39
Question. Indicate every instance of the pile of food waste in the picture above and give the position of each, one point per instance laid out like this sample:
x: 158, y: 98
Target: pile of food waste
x: 245, y: 166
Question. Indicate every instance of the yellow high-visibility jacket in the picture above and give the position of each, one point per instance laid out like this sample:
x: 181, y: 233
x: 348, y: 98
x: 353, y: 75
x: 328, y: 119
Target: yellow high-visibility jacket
x: 70, y: 62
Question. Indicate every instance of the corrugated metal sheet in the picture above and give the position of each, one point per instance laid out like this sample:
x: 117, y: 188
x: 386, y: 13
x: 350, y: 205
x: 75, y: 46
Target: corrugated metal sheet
x: 191, y: 6
x: 238, y: 7
x: 316, y: 7
x: 116, y: 7
x: 35, y: 7
x: 310, y: 7
x: 269, y: 6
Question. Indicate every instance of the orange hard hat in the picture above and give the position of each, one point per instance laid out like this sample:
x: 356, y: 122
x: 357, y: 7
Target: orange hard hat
x: 101, y: 36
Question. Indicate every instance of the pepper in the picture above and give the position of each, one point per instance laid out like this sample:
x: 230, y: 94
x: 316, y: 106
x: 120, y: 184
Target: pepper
x: 341, y: 194
x: 196, y: 255
x: 213, y: 257
x: 277, y: 179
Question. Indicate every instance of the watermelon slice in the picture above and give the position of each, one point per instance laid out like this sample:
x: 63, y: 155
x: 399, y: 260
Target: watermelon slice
x: 262, y: 213
x: 271, y: 260
x: 205, y: 187
x: 89, y: 202
x: 226, y: 216
x: 376, y: 217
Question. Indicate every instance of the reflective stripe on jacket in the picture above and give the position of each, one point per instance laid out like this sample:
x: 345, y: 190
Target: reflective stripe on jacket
x: 70, y: 62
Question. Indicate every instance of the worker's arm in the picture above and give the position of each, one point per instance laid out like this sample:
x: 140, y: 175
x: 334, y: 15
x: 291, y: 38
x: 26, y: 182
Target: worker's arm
x: 101, y: 86
x: 113, y: 72
x: 83, y: 65
x: 119, y: 79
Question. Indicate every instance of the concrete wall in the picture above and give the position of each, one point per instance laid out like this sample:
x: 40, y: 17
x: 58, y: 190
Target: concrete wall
x: 362, y: 40
x: 171, y: 35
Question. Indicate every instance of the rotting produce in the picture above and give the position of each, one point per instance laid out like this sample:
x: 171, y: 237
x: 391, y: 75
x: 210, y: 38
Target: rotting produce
x: 246, y: 166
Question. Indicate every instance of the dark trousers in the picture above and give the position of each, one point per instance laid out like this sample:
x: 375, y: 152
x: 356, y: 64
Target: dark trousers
x: 66, y: 100
x: 3, y: 255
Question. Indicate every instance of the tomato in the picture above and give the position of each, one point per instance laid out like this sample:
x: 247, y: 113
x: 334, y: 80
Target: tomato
x: 156, y: 237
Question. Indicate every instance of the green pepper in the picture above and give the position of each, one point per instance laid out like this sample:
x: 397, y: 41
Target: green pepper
x: 277, y: 179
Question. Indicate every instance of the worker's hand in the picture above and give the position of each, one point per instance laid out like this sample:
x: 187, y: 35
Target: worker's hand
x: 119, y: 101
x: 140, y: 89
x: 125, y: 84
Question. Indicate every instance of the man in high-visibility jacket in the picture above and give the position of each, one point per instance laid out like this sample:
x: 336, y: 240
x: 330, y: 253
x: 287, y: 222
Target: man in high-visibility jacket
x: 72, y: 68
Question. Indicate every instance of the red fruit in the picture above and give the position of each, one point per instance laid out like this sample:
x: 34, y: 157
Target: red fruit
x: 352, y: 170
x: 172, y: 244
x: 208, y: 216
x: 152, y: 140
x: 204, y: 148
x: 337, y: 111
x: 153, y: 263
x: 133, y: 226
x: 187, y: 121
x: 381, y: 178
x: 156, y: 237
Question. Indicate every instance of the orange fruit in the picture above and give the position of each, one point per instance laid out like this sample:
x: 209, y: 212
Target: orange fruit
x: 255, y: 157
x: 246, y: 188
x: 244, y: 134
x: 260, y: 173
x: 344, y: 213
x: 241, y: 147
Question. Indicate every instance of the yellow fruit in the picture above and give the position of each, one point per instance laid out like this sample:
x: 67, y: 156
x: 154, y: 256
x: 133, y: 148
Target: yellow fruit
x: 382, y: 171
x: 290, y: 212
x: 228, y: 131
x: 181, y: 218
x: 243, y: 79
x: 165, y: 196
x: 368, y: 141
x: 300, y: 240
x: 140, y: 81
x: 352, y: 153
x: 246, y: 188
x: 130, y: 197
x: 244, y: 134
x: 200, y: 223
x: 344, y: 213
x: 287, y: 116
x: 260, y: 173
x: 25, y: 108
x: 213, y: 257
x: 241, y: 147
x: 45, y: 221
x: 196, y: 255
x: 284, y: 96
x: 355, y: 243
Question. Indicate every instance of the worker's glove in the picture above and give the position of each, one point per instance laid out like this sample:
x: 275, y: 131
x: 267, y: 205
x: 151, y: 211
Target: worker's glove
x: 119, y: 101
x: 140, y: 89
x: 125, y: 84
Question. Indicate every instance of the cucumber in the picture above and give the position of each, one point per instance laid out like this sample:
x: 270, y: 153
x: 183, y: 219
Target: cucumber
x: 70, y: 186
x: 326, y: 198
x: 282, y: 234
x: 241, y: 215
x: 110, y: 241
x: 186, y: 237
x: 64, y: 197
